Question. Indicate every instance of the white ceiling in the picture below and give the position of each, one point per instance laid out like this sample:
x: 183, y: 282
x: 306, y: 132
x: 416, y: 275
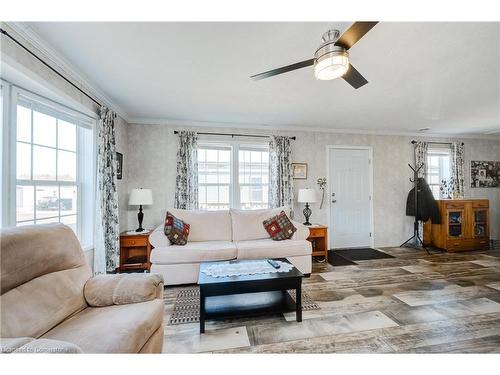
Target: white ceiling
x: 445, y: 76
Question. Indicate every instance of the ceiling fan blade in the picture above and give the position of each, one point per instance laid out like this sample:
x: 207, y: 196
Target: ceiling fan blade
x: 354, y: 33
x: 283, y: 69
x: 354, y: 78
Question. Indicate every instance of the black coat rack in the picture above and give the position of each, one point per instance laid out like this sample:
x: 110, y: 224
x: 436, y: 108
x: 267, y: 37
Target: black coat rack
x: 415, y: 240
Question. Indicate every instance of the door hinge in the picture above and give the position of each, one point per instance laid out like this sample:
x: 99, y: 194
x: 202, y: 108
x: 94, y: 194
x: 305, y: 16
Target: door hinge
x: 369, y: 161
x: 370, y: 234
x: 369, y: 197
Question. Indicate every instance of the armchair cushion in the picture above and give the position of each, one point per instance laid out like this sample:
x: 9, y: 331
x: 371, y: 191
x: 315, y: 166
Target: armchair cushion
x: 122, y: 289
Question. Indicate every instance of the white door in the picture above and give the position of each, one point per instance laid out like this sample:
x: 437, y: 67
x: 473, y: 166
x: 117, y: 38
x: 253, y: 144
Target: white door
x: 350, y: 198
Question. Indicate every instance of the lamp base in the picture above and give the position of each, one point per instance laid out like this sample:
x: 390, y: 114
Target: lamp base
x: 140, y: 217
x: 307, y: 213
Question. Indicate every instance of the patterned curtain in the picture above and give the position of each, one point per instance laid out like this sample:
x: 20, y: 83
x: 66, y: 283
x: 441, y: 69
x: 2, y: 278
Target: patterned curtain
x: 186, y: 183
x: 280, y: 172
x: 421, y: 157
x: 457, y: 169
x: 106, y: 249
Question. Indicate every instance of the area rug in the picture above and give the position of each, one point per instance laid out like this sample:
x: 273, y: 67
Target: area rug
x: 338, y: 260
x: 187, y: 305
x: 366, y: 253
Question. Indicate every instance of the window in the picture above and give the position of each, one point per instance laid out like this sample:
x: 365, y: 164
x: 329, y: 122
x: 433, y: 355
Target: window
x: 438, y: 168
x: 233, y: 176
x: 253, y: 172
x: 52, y: 165
x: 214, y: 177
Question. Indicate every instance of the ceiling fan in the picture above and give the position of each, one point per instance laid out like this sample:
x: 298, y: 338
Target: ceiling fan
x: 331, y: 59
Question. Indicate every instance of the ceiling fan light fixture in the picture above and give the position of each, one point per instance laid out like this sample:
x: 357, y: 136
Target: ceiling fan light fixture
x: 331, y: 65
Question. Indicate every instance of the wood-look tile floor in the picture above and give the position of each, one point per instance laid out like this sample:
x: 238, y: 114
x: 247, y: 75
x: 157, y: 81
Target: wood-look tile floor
x: 413, y: 303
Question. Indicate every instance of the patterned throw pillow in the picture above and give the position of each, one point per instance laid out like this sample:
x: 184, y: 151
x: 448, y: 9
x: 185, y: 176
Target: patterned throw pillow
x: 279, y: 227
x: 176, y: 230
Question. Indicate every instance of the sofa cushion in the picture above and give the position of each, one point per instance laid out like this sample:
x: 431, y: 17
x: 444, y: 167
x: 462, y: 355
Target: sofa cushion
x: 176, y: 230
x: 267, y: 248
x: 111, y: 329
x: 206, y: 225
x: 194, y: 252
x: 247, y: 224
x: 279, y: 227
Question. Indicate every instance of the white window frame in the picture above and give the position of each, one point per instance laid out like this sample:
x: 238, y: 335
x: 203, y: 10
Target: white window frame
x: 234, y: 185
x: 220, y: 146
x: 437, y: 150
x: 237, y: 188
x: 85, y: 170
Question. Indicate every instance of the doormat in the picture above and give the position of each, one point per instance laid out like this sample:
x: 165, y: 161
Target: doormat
x: 366, y: 253
x: 187, y: 305
x: 338, y: 260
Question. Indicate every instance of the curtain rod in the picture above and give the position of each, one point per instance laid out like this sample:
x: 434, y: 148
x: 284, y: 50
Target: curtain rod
x: 436, y: 143
x: 4, y: 32
x: 236, y: 135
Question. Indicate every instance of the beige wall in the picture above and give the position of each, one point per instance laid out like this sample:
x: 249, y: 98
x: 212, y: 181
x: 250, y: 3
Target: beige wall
x: 152, y: 154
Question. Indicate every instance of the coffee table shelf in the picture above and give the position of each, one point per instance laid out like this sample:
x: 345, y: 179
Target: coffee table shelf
x: 248, y: 294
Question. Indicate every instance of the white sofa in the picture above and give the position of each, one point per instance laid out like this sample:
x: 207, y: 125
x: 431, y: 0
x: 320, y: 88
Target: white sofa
x: 224, y: 235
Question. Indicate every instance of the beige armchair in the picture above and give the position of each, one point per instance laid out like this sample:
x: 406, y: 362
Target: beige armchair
x: 50, y: 303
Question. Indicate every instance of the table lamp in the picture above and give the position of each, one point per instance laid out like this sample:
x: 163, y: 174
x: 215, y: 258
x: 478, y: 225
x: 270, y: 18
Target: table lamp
x: 307, y: 196
x: 138, y: 197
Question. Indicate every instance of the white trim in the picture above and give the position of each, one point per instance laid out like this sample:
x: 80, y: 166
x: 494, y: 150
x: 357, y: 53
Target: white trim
x: 57, y: 61
x: 5, y: 150
x: 329, y: 148
x: 271, y: 129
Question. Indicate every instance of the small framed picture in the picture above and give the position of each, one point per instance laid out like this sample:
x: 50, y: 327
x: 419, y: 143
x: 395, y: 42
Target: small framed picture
x: 299, y: 171
x: 119, y: 165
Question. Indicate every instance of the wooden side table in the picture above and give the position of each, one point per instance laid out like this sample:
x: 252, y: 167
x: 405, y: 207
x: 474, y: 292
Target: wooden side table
x: 318, y: 236
x: 134, y: 251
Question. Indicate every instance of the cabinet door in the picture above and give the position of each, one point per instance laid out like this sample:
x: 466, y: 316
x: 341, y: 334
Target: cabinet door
x: 480, y: 223
x: 455, y: 223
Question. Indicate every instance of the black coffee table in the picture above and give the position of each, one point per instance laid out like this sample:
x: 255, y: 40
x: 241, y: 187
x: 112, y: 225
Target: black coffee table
x: 248, y: 294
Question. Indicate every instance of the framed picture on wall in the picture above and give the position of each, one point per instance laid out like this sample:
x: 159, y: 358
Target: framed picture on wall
x: 119, y: 165
x: 299, y: 171
x: 485, y: 174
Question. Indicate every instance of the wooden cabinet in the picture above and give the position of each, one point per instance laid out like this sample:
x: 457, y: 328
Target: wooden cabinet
x: 134, y: 251
x: 318, y: 236
x: 464, y: 225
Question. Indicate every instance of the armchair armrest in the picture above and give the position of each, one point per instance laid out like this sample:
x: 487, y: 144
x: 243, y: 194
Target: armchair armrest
x: 302, y: 231
x: 122, y: 289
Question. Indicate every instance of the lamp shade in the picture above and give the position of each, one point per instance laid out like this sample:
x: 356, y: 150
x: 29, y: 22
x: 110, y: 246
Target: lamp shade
x: 307, y: 196
x: 140, y: 196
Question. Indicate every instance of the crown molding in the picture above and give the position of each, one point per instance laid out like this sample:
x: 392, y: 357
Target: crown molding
x: 272, y: 128
x: 64, y: 66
